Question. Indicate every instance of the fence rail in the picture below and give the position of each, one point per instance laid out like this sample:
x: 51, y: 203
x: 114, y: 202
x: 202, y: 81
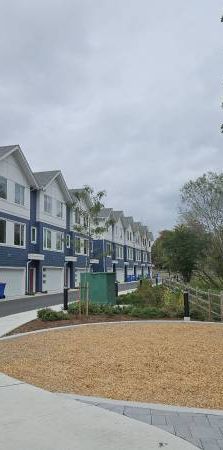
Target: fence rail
x: 208, y: 301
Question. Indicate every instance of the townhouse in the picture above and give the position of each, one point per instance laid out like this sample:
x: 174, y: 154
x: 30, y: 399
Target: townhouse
x: 45, y: 242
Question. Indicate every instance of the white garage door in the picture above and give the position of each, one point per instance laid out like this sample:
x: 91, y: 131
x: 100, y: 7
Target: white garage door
x: 78, y: 272
x: 15, y: 282
x: 53, y: 279
x: 120, y: 275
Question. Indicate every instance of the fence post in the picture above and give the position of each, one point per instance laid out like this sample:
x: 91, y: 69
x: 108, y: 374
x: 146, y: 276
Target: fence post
x: 65, y: 298
x: 186, y: 307
x: 209, y: 305
x: 221, y: 305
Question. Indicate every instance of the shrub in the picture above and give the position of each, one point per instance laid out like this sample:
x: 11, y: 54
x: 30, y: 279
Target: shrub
x: 48, y: 314
x: 148, y: 312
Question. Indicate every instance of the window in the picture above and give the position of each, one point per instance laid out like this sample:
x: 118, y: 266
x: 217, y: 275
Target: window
x: 130, y: 253
x: 119, y: 252
x: 144, y: 256
x: 92, y: 246
x: 19, y: 194
x: 68, y: 241
x: 59, y: 209
x: 48, y: 204
x: 138, y: 255
x: 19, y: 234
x: 130, y: 236
x: 86, y: 221
x: 47, y: 239
x: 77, y: 216
x: 59, y: 241
x: 108, y: 249
x: 33, y: 235
x: 85, y: 246
x: 2, y: 231
x: 77, y: 245
x: 3, y: 187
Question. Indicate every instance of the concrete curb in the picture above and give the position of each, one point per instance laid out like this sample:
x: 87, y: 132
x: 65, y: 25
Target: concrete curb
x: 158, y: 406
x: 126, y: 322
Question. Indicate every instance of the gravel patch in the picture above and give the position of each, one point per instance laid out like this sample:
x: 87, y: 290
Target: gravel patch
x: 178, y: 364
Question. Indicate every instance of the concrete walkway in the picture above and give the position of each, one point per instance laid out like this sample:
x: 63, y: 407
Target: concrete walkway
x: 13, y: 321
x: 203, y: 428
x: 32, y: 418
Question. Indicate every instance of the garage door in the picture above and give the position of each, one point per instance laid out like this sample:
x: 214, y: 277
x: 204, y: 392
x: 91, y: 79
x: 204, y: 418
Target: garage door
x: 15, y: 282
x: 78, y: 272
x: 53, y: 279
x: 120, y: 275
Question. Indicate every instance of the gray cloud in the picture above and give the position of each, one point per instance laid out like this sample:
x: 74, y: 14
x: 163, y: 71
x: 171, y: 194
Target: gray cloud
x: 122, y: 95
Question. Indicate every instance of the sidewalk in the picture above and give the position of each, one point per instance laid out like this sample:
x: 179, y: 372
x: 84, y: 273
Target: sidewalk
x: 8, y: 323
x: 35, y: 419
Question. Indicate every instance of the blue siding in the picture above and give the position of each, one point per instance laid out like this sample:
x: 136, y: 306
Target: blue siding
x: 14, y: 256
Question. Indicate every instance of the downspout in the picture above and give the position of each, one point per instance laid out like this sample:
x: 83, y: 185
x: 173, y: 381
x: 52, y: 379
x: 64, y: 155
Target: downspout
x: 27, y: 276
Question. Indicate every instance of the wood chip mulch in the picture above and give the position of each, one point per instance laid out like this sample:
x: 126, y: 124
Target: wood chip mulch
x: 170, y: 363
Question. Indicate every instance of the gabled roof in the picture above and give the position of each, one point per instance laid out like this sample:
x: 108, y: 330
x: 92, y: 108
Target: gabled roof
x: 15, y: 149
x: 127, y: 221
x: 117, y: 215
x: 44, y: 179
x: 105, y: 213
x: 80, y: 194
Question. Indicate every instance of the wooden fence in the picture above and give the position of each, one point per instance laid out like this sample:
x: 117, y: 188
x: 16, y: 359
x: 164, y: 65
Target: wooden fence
x: 208, y: 301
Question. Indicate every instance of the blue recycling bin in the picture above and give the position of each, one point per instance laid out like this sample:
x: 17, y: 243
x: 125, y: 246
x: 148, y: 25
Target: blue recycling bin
x: 2, y: 290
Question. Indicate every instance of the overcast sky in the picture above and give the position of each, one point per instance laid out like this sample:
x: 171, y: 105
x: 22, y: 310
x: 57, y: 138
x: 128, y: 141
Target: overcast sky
x: 123, y: 95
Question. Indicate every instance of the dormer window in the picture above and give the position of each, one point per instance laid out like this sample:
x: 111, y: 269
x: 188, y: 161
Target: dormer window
x: 47, y: 204
x: 59, y: 209
x: 3, y: 187
x: 19, y: 194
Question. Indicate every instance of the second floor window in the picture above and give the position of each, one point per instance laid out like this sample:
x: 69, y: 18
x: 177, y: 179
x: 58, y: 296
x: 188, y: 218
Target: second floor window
x: 138, y: 255
x: 19, y: 194
x: 2, y: 231
x: 109, y: 249
x: 47, y: 204
x: 59, y: 209
x: 3, y: 187
x: 77, y: 245
x: 119, y: 251
x: 19, y: 234
x: 47, y: 239
x: 130, y: 253
x: 59, y: 241
x: 85, y: 246
x: 77, y: 216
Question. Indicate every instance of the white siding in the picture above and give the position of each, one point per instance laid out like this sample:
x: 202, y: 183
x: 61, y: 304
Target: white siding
x: 55, y: 192
x: 10, y: 169
x: 118, y: 233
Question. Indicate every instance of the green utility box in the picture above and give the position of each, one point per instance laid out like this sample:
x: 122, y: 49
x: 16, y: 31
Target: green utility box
x: 101, y: 287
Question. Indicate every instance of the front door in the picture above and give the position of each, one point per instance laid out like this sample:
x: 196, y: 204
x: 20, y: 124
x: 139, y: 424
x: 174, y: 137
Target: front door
x: 32, y: 280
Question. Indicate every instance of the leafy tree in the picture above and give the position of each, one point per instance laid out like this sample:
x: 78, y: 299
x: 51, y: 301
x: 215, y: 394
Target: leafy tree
x: 202, y: 207
x: 181, y: 250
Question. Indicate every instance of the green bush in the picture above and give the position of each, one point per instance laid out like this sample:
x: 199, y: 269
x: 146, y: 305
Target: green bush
x: 48, y: 314
x: 148, y: 312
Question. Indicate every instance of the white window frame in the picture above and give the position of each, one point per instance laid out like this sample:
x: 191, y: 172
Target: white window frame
x: 3, y: 220
x: 6, y: 185
x: 59, y: 209
x: 22, y: 229
x: 47, y: 204
x: 33, y: 240
x: 109, y: 249
x: 47, y: 232
x: 130, y: 253
x: 77, y: 238
x: 59, y: 240
x: 19, y: 194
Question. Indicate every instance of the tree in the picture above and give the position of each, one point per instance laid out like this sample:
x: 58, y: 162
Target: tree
x: 88, y: 205
x: 181, y: 250
x: 202, y: 204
